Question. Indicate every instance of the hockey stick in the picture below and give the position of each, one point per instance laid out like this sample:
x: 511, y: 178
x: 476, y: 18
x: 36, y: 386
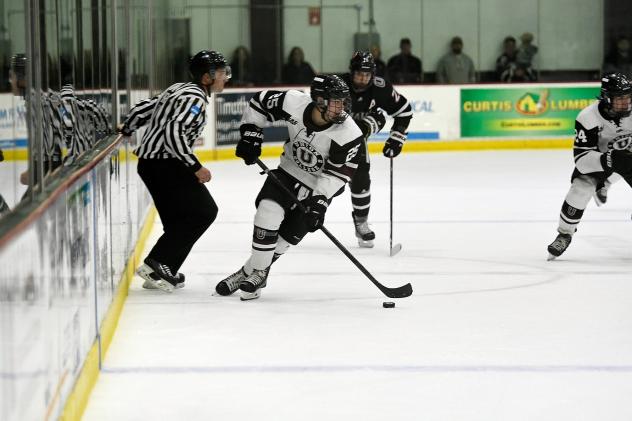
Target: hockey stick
x: 399, y: 292
x: 398, y: 247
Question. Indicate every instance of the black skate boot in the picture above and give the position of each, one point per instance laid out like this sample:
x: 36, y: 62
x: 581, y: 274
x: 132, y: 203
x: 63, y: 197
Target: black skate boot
x: 362, y: 231
x: 251, y: 286
x: 559, y: 245
x: 231, y: 283
x: 158, y: 275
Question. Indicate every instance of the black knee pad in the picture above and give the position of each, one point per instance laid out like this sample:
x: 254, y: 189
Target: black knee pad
x: 293, y: 227
x: 361, y: 180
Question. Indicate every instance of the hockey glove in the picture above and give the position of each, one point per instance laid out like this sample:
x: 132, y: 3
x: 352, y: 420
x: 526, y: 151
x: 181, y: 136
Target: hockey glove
x: 316, y: 207
x: 619, y: 161
x: 249, y: 146
x: 393, y: 145
x: 371, y: 124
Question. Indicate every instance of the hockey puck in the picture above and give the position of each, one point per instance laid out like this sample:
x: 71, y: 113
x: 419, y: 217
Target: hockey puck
x: 388, y: 304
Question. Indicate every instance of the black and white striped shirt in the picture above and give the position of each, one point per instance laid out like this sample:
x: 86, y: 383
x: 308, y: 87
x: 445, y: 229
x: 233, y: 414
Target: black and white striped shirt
x: 176, y: 119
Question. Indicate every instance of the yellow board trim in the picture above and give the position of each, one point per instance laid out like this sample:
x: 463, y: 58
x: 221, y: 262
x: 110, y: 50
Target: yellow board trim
x: 78, y: 399
x: 374, y: 147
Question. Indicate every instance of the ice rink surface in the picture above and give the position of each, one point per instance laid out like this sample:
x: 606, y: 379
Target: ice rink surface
x: 492, y: 332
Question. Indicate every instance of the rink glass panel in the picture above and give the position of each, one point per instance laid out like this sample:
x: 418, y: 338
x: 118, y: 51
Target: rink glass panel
x: 57, y: 281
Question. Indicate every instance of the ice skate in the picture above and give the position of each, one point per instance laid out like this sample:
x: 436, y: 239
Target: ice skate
x: 559, y: 245
x: 230, y: 284
x: 363, y: 232
x: 157, y: 276
x: 150, y: 284
x: 252, y: 285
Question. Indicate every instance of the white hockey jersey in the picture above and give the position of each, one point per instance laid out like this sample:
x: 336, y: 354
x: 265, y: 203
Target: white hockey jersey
x: 595, y: 134
x: 322, y: 158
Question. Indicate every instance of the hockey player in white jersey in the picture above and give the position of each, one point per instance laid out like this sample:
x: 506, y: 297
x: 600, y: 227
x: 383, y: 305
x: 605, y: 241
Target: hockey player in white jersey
x: 318, y: 160
x: 602, y: 150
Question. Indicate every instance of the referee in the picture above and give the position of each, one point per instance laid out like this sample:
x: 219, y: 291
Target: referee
x: 173, y: 175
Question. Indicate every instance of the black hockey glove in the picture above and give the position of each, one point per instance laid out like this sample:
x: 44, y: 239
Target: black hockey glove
x: 249, y: 146
x: 316, y: 207
x: 619, y: 161
x: 393, y: 145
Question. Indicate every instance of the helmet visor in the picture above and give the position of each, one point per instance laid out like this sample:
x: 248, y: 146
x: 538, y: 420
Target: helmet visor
x: 222, y: 73
x: 337, y: 109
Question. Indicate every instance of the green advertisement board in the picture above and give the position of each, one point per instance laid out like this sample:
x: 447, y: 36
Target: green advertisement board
x: 529, y: 111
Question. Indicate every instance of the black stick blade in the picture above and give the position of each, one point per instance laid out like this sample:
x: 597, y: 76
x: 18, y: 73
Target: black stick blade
x: 399, y: 292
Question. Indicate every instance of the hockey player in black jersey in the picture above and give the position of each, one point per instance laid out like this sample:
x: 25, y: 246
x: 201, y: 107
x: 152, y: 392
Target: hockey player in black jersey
x: 602, y: 150
x: 371, y: 97
x: 318, y: 160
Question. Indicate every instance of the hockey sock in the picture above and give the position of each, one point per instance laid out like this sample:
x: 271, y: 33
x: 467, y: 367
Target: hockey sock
x: 569, y: 218
x: 575, y: 202
x: 361, y: 203
x: 264, y: 235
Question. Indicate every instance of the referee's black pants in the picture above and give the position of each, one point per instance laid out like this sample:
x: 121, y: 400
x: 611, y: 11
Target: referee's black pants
x: 185, y: 206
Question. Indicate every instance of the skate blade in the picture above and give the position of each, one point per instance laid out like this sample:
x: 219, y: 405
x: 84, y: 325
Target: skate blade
x: 551, y: 257
x: 396, y: 249
x: 150, y: 283
x: 247, y: 296
x: 368, y: 244
x: 217, y: 294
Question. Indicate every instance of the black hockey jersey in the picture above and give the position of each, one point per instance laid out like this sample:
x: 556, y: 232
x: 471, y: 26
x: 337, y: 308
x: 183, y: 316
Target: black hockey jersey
x: 596, y: 133
x: 380, y: 95
x: 322, y: 158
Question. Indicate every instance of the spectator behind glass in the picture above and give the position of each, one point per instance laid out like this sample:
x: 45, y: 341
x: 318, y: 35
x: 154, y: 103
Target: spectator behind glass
x: 620, y: 58
x: 297, y: 71
x: 404, y: 67
x: 456, y: 66
x: 526, y: 52
x: 507, y: 70
x: 241, y: 67
x: 380, y: 66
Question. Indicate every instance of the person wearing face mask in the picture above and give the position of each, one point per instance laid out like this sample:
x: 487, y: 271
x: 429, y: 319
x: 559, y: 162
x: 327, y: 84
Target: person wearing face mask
x: 318, y: 160
x: 172, y: 173
x: 602, y: 152
x: 456, y: 67
x: 620, y: 59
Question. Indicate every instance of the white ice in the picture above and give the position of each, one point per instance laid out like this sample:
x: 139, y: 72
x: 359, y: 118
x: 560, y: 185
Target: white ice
x: 492, y: 332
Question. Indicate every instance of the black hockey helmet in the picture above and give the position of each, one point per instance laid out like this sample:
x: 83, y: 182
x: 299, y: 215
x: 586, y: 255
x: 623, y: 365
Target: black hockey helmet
x: 207, y: 62
x: 615, y: 85
x: 362, y: 61
x: 328, y: 87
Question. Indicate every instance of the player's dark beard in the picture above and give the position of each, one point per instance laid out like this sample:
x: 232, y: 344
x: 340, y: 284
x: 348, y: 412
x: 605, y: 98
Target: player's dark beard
x: 360, y: 88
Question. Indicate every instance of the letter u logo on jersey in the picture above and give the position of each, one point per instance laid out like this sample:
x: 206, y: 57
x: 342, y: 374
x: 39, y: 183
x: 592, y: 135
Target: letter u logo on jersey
x: 307, y: 157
